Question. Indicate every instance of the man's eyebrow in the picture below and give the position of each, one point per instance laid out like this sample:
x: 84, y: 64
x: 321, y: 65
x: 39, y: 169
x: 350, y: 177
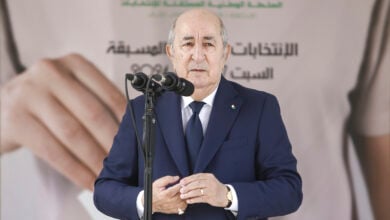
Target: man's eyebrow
x: 208, y: 38
x: 188, y: 38
x: 191, y: 38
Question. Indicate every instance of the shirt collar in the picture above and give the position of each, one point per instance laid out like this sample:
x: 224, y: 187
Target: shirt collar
x: 186, y: 100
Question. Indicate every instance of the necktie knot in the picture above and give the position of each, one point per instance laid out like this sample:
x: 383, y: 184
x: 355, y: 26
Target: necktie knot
x: 196, y: 106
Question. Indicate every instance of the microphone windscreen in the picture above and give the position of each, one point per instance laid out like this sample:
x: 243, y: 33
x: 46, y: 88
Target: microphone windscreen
x: 187, y: 89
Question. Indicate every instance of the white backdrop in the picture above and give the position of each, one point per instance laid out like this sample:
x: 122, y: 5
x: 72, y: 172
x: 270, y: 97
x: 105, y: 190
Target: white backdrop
x: 306, y: 52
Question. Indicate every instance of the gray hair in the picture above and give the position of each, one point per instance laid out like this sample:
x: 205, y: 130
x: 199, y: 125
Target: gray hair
x: 171, y: 35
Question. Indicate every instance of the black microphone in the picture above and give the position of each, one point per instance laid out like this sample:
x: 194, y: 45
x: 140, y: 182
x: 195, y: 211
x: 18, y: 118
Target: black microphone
x: 138, y: 80
x: 171, y: 82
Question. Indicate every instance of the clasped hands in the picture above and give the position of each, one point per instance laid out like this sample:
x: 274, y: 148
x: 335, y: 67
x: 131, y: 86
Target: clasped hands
x: 171, y: 195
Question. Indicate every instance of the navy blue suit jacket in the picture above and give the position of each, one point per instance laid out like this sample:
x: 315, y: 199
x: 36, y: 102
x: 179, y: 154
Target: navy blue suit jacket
x: 245, y: 145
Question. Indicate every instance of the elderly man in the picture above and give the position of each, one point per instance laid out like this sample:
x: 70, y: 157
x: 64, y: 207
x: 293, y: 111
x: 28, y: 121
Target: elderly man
x: 241, y: 166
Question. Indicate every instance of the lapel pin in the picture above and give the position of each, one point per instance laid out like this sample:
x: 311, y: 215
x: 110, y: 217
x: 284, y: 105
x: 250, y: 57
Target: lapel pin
x: 233, y: 106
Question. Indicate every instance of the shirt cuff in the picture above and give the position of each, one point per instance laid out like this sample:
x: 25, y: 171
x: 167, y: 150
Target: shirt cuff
x: 234, y: 206
x: 140, y: 206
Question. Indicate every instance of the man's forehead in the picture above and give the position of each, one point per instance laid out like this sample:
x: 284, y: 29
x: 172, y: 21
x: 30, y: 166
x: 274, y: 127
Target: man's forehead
x: 198, y: 14
x: 198, y: 19
x: 198, y: 24
x: 197, y: 31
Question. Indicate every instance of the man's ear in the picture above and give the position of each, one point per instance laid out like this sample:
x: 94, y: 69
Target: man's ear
x: 169, y: 50
x: 227, y: 51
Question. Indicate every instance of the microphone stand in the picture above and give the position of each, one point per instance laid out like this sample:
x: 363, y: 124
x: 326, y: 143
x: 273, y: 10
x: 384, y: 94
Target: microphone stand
x: 148, y: 146
x: 181, y: 86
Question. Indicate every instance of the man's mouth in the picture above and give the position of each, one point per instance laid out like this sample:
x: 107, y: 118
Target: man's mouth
x: 197, y: 70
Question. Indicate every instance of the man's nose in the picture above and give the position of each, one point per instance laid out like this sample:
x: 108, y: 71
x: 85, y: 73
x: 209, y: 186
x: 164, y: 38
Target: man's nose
x: 198, y: 53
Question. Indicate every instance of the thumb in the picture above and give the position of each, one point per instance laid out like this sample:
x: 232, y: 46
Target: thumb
x: 163, y: 182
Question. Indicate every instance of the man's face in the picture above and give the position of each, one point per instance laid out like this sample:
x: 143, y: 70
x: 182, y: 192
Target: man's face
x: 197, y: 53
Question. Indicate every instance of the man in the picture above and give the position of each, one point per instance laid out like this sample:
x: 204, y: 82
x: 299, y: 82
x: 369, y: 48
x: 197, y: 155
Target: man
x: 244, y: 167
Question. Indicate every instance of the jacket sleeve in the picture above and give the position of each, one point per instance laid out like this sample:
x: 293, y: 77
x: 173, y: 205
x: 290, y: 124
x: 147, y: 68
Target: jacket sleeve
x: 117, y: 186
x: 278, y: 189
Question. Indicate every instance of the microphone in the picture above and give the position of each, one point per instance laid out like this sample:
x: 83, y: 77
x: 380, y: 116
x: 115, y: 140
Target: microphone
x: 139, y: 82
x: 171, y: 82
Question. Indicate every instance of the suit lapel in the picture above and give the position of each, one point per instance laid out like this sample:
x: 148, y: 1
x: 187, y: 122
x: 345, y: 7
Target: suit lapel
x: 226, y: 107
x: 168, y: 113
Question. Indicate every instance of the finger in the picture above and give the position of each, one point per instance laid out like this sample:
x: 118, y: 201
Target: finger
x: 181, y: 208
x: 79, y: 100
x: 9, y: 132
x: 172, y: 207
x: 42, y: 144
x: 94, y: 79
x: 193, y: 200
x: 168, y: 199
x: 163, y: 182
x: 193, y: 178
x: 69, y: 131
x: 172, y: 190
x: 200, y: 192
x: 20, y: 128
x: 195, y: 184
